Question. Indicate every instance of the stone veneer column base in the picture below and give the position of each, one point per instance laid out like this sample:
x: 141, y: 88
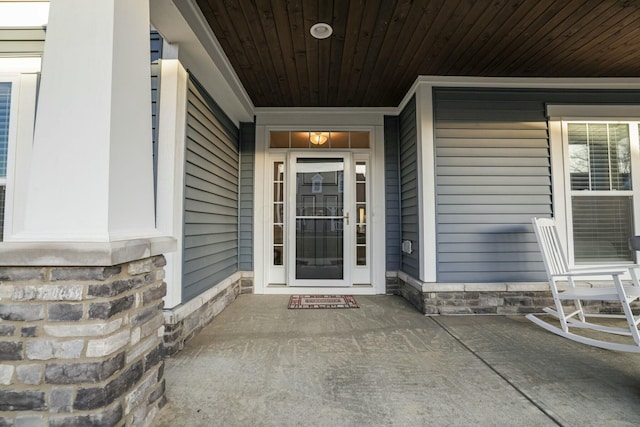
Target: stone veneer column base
x: 184, y: 321
x: 82, y: 346
x: 488, y: 298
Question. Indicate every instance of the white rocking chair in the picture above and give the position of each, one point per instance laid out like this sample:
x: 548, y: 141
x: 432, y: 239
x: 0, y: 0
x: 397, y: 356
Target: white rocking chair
x: 557, y: 268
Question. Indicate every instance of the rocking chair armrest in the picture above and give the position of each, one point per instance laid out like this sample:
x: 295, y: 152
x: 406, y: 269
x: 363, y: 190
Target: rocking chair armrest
x: 604, y: 268
x: 617, y: 272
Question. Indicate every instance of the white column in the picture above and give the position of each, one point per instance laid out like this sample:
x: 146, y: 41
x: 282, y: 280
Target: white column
x: 171, y: 149
x: 426, y: 183
x: 91, y: 173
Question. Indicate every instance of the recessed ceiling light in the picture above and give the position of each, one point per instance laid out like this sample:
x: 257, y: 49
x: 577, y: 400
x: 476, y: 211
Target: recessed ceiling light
x: 321, y: 30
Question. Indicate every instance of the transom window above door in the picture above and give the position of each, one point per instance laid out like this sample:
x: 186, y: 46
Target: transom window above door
x: 319, y: 139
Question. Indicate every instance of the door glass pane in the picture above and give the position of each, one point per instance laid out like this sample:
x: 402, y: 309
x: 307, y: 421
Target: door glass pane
x: 319, y: 219
x: 279, y: 139
x: 361, y: 213
x: 339, y: 139
x: 278, y: 213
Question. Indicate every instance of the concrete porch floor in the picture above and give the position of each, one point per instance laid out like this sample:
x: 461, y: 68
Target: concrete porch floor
x: 385, y: 364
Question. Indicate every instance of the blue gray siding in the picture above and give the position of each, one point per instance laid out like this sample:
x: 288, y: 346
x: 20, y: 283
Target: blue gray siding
x: 493, y: 174
x: 409, y: 188
x: 211, y: 195
x: 156, y: 45
x: 393, y: 234
x: 156, y: 54
x: 247, y: 165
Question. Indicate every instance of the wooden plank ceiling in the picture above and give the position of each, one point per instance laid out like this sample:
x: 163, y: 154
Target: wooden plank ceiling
x: 379, y: 47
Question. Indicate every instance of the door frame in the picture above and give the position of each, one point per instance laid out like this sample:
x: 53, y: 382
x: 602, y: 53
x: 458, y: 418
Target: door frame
x: 270, y: 279
x: 348, y: 248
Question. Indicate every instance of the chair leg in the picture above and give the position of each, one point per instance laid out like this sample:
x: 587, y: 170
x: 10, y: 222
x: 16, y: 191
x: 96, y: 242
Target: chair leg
x: 626, y: 307
x: 577, y: 303
x: 559, y: 308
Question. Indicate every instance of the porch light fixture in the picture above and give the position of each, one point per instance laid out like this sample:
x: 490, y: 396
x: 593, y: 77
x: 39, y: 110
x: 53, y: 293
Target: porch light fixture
x: 318, y: 138
x: 321, y: 30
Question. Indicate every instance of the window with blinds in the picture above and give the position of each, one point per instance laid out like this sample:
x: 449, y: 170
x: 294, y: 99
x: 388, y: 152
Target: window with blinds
x: 5, y: 101
x: 601, y: 191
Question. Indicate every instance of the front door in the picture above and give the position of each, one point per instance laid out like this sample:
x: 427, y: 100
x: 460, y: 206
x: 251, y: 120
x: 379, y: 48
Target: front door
x: 320, y: 214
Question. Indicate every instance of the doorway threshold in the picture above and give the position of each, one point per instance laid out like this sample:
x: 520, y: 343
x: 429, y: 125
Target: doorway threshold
x: 282, y: 289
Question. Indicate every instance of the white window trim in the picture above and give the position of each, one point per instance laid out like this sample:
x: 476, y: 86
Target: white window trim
x: 559, y: 116
x: 21, y: 125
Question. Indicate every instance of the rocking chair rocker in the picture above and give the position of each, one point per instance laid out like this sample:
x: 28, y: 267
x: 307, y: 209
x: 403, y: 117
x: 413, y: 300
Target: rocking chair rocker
x: 557, y: 268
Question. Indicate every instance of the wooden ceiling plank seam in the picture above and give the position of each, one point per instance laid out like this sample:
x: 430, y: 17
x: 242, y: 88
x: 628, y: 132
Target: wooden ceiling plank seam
x: 325, y: 14
x: 274, y: 48
x: 387, y: 49
x: 312, y: 46
x: 381, y: 26
x: 468, y: 43
x: 551, y: 47
x: 256, y: 30
x: 605, y: 38
x: 551, y: 29
x: 354, y: 18
x: 339, y: 23
x: 296, y: 21
x: 534, y: 27
x: 627, y: 51
x: 286, y: 47
x: 431, y: 13
x: 420, y: 15
x: 430, y: 44
x: 233, y: 47
x: 365, y: 33
x: 529, y: 10
x: 611, y: 49
x: 469, y: 23
x: 490, y: 35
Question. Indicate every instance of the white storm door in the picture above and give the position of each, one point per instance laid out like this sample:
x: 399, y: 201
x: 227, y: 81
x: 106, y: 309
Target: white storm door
x: 319, y: 214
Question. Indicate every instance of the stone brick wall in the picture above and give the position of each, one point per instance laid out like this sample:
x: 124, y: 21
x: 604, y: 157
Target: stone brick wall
x: 185, y: 321
x: 492, y: 298
x: 81, y: 346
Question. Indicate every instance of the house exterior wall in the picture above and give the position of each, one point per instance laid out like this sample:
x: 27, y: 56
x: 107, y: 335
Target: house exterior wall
x: 247, y: 167
x: 409, y: 197
x: 493, y: 174
x: 210, y: 196
x: 393, y: 235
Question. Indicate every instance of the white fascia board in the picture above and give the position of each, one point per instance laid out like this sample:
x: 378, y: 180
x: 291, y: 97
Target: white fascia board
x: 182, y: 23
x: 17, y: 14
x: 576, y: 112
x: 520, y: 83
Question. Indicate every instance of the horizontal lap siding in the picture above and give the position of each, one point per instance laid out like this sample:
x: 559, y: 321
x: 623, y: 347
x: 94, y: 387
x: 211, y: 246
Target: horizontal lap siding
x: 392, y: 193
x: 211, y: 195
x: 409, y: 188
x: 493, y: 175
x: 247, y: 160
